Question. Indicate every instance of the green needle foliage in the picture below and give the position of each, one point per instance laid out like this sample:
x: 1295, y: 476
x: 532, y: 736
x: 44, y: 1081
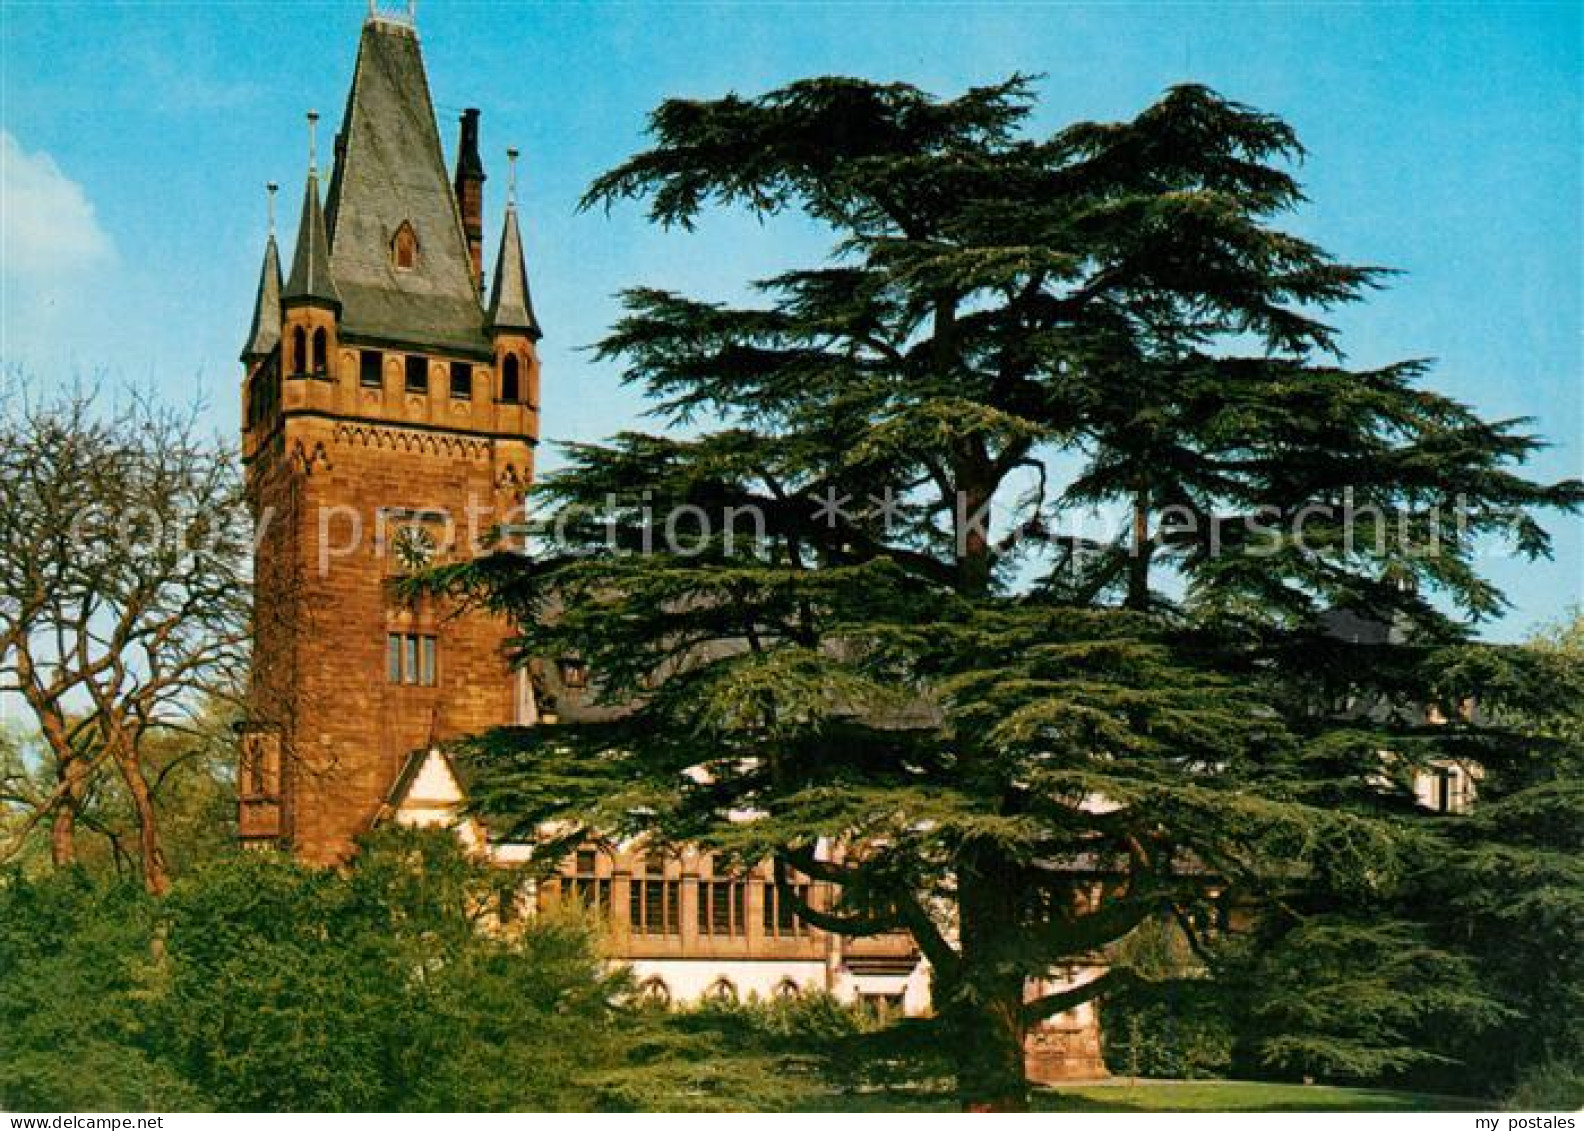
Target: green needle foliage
x: 846, y: 607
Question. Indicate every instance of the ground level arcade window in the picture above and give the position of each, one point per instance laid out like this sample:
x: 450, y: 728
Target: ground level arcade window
x: 587, y: 886
x: 573, y: 672
x: 883, y: 1005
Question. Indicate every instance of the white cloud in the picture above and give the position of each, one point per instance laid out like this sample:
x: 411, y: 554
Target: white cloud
x: 48, y: 230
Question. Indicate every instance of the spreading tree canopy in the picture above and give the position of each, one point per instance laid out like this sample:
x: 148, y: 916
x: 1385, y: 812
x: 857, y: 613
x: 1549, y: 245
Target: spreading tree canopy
x: 859, y: 626
x: 123, y: 607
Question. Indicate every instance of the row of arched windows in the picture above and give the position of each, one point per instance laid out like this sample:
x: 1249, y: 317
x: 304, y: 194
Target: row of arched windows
x: 310, y: 353
x: 724, y: 990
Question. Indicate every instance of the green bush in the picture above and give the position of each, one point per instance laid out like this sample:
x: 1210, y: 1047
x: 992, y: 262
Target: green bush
x: 1187, y: 1041
x: 1553, y: 1085
x: 260, y: 984
x: 79, y: 996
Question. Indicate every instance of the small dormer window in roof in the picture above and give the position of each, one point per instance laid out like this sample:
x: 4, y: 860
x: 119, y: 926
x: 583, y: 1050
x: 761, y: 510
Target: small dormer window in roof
x: 404, y: 247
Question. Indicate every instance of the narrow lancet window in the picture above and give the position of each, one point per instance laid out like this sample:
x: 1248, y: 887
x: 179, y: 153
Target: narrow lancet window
x: 511, y: 379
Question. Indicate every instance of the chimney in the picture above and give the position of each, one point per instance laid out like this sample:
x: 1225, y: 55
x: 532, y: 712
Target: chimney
x: 470, y: 192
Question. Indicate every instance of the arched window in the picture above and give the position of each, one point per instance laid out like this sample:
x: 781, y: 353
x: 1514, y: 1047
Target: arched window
x: 321, y: 359
x: 654, y: 991
x: 404, y: 247
x: 299, y: 350
x: 511, y: 379
x: 721, y: 990
x: 786, y: 989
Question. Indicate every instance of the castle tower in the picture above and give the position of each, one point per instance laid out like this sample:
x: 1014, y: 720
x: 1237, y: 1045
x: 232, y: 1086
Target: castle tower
x: 390, y: 417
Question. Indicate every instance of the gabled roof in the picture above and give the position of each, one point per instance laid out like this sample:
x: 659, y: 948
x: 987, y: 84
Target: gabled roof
x: 389, y: 171
x: 511, y: 303
x: 434, y: 759
x: 264, y: 335
x: 429, y: 792
x: 311, y: 278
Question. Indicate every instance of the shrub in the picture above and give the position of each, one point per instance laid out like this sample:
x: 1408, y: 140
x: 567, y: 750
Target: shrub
x: 1553, y: 1085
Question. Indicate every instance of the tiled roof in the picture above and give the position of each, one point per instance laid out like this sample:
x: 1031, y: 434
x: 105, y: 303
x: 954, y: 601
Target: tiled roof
x: 389, y: 171
x: 310, y: 270
x: 264, y: 335
x: 511, y: 304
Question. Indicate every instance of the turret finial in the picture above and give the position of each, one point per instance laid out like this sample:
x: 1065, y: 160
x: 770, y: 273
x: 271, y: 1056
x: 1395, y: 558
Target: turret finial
x: 511, y: 177
x: 313, y: 132
x: 269, y: 191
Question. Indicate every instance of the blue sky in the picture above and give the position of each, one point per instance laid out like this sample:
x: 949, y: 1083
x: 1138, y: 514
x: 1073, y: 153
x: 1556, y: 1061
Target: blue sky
x: 1445, y: 140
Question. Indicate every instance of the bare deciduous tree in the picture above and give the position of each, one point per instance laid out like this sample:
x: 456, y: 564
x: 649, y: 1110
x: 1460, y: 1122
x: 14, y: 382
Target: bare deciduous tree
x: 123, y: 592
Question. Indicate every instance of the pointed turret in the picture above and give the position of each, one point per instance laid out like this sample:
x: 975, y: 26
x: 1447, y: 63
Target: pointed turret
x: 266, y: 330
x: 310, y: 280
x: 311, y: 303
x: 511, y: 304
x: 513, y: 329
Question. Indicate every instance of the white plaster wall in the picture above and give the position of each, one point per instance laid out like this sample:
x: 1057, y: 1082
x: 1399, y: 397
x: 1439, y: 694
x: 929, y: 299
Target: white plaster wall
x: 510, y: 853
x: 435, y: 782
x: 434, y: 798
x: 914, y: 987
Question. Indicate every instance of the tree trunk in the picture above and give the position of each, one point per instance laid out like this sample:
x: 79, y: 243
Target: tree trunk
x: 989, y: 1051
x: 973, y: 536
x: 74, y: 773
x: 1138, y: 596
x: 63, y: 835
x: 72, y: 769
x: 156, y: 874
x: 981, y: 1002
x: 983, y: 1007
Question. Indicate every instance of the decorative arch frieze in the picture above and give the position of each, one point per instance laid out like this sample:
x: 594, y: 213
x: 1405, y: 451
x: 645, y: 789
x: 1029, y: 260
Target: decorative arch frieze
x: 383, y: 438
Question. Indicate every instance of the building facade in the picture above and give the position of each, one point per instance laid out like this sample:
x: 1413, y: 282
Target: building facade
x: 390, y: 415
x: 390, y: 418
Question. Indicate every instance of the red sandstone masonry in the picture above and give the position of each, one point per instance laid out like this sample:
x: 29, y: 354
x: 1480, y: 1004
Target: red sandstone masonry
x: 336, y: 456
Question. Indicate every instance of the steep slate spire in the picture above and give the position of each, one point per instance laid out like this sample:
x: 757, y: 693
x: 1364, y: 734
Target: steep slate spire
x: 511, y: 304
x: 311, y: 280
x: 265, y: 333
x: 390, y: 174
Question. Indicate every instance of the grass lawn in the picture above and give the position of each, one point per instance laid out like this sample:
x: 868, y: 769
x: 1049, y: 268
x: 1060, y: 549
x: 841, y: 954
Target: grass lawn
x: 1237, y: 1095
x: 1177, y: 1095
